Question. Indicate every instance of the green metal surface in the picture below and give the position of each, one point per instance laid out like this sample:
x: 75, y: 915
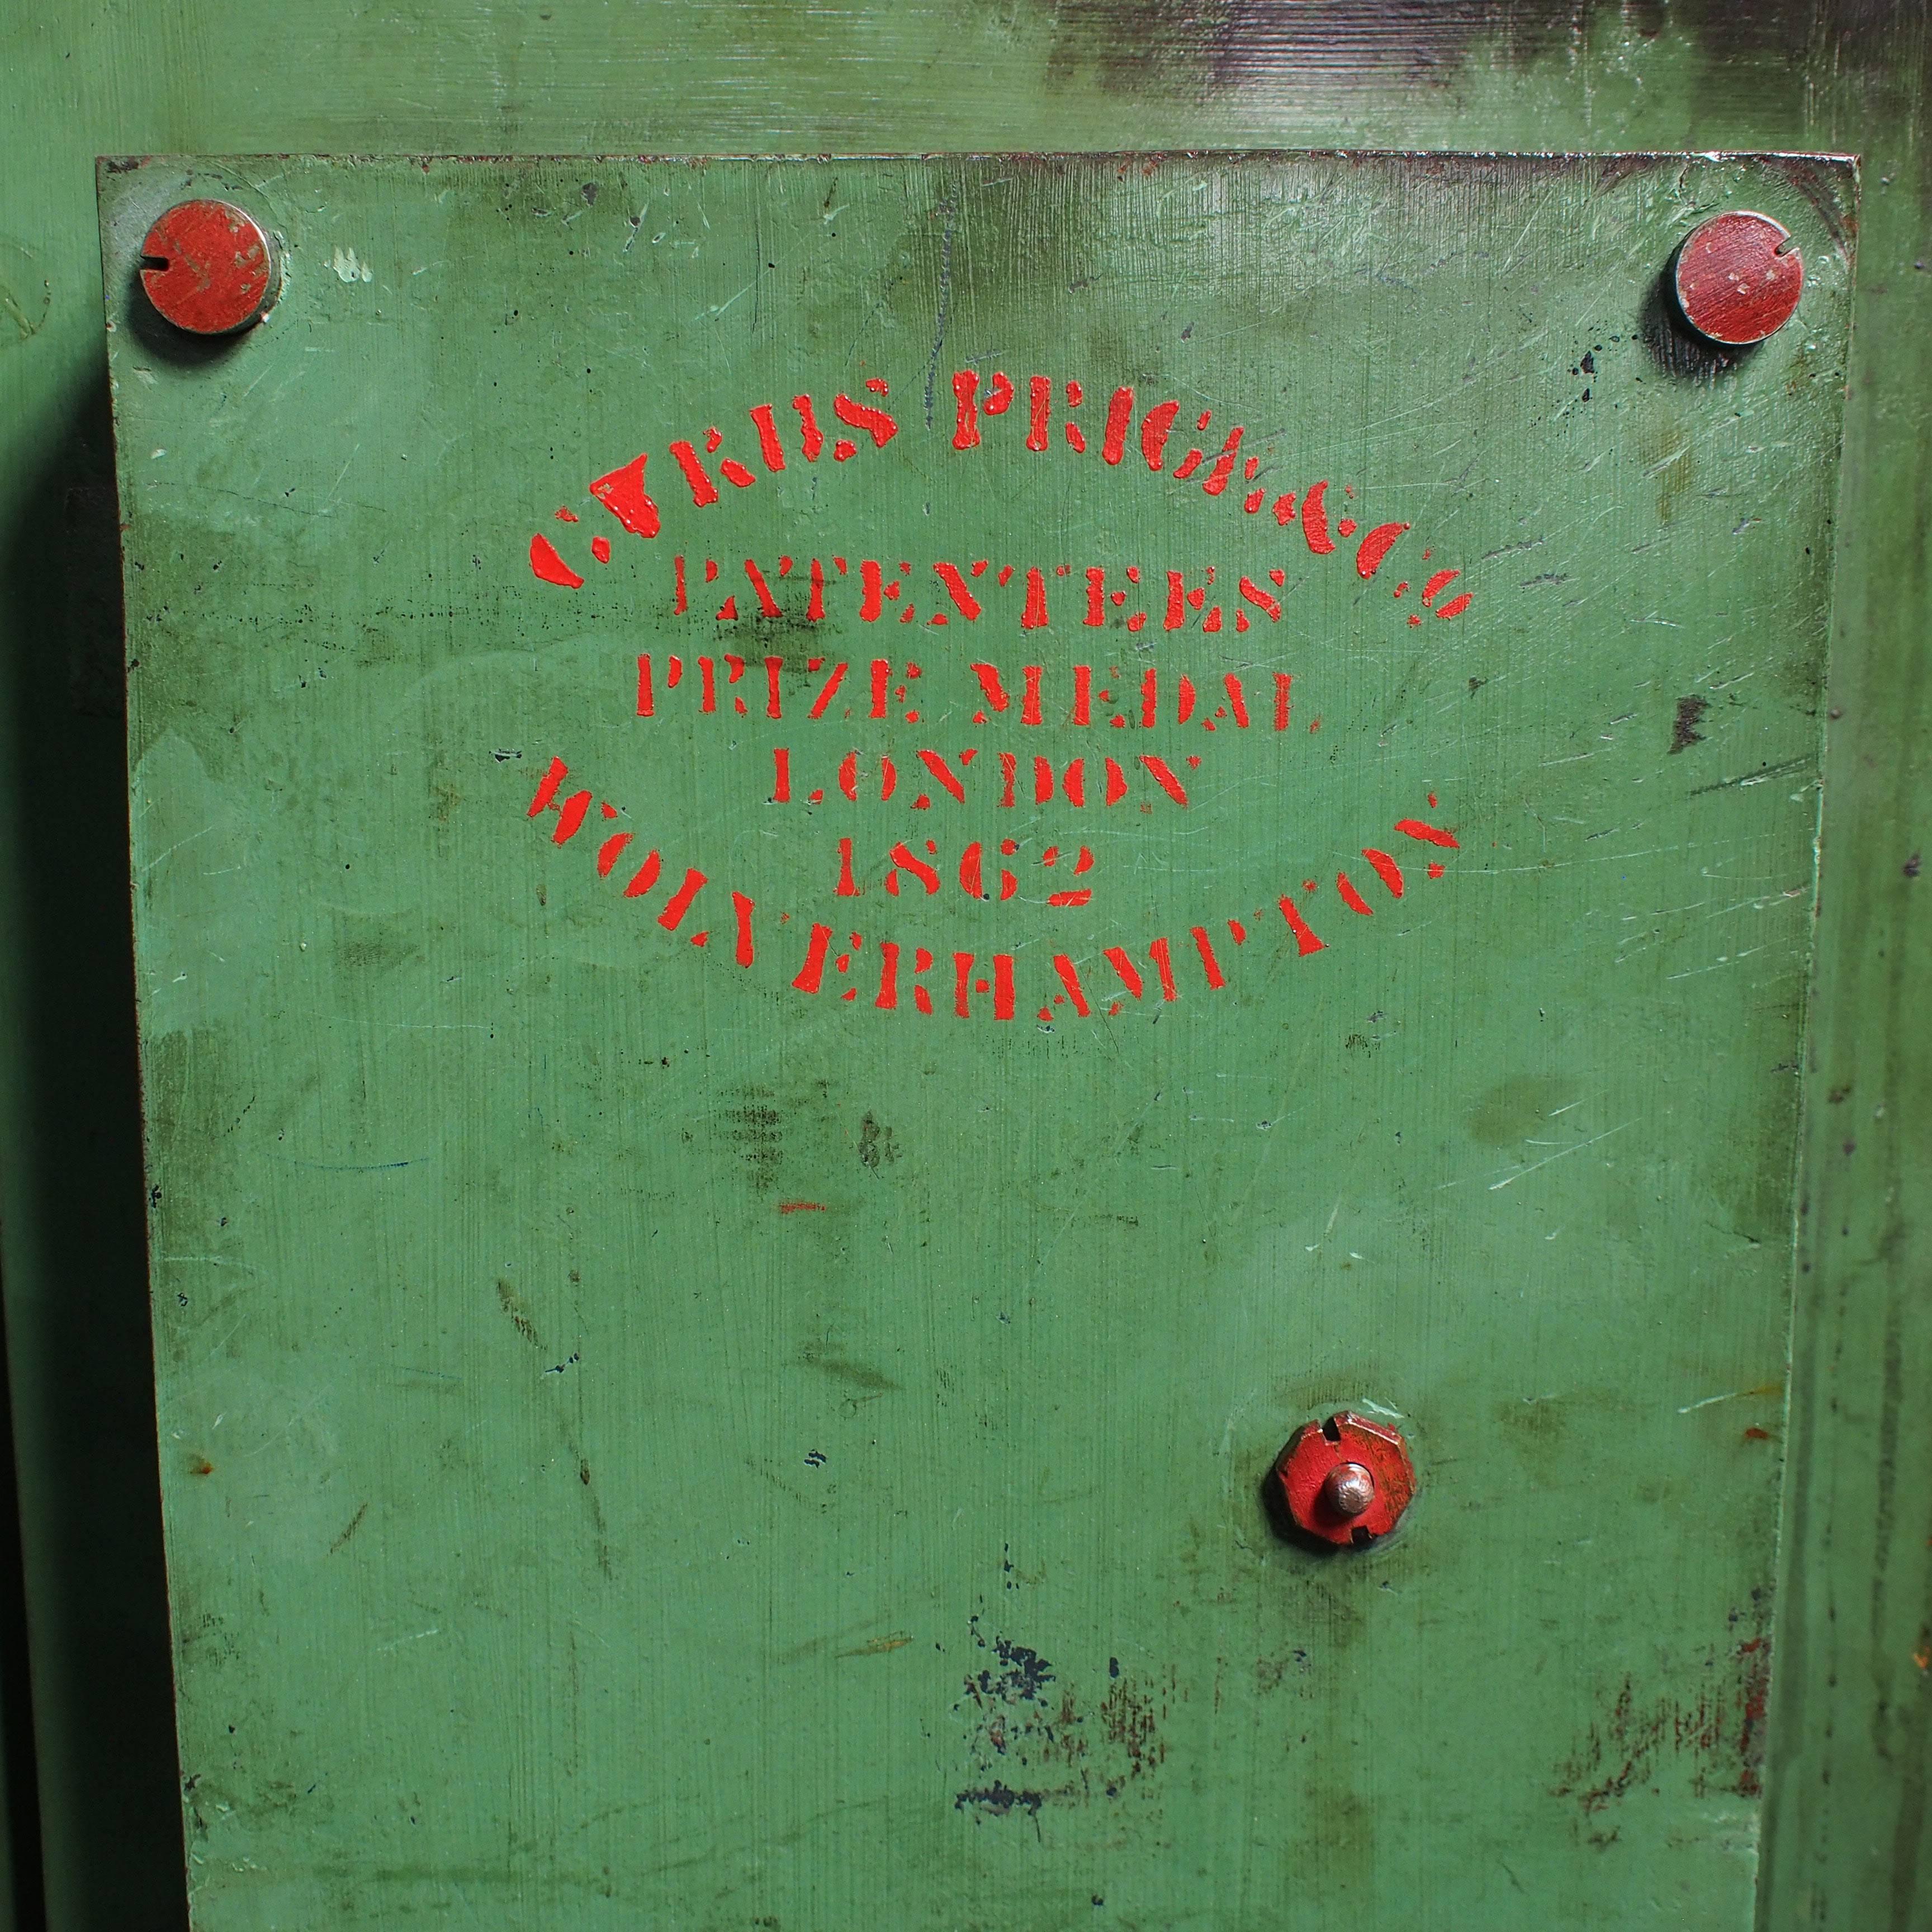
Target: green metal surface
x: 1846, y: 1779
x: 646, y: 1438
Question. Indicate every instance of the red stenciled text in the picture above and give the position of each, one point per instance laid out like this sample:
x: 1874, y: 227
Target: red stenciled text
x: 896, y: 973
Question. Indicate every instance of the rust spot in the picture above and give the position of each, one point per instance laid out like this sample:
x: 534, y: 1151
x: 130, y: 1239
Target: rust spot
x: 1127, y: 1715
x: 756, y: 1131
x: 860, y: 1375
x: 1754, y: 1699
x: 519, y: 1316
x: 1685, y: 734
x: 875, y: 1144
x: 1269, y: 1671
x: 1023, y: 1722
x: 199, y: 1465
x: 1754, y: 1434
x: 802, y: 1207
x: 878, y: 1646
x: 1722, y: 1729
x: 1018, y: 1676
x: 999, y: 1799
x: 1621, y: 1751
x: 354, y: 1524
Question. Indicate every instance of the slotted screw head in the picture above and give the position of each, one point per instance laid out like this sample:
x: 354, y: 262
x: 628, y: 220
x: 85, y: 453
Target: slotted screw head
x: 1737, y: 278
x: 209, y: 267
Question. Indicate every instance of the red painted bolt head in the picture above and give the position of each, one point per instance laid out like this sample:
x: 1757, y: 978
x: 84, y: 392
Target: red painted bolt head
x: 1345, y: 1480
x: 209, y: 267
x: 1737, y: 277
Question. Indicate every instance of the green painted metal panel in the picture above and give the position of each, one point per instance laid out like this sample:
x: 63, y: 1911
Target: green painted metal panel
x: 658, y: 1427
x: 1845, y: 1818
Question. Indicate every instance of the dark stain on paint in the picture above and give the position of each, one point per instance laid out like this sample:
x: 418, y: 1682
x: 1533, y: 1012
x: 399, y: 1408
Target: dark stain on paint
x: 1684, y: 732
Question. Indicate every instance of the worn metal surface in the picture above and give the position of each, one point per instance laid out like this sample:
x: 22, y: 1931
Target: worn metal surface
x: 1847, y: 1779
x: 628, y: 1037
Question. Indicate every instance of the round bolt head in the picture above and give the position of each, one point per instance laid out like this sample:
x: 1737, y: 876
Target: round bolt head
x: 1345, y: 1481
x: 209, y: 267
x: 1347, y: 1490
x: 1737, y: 278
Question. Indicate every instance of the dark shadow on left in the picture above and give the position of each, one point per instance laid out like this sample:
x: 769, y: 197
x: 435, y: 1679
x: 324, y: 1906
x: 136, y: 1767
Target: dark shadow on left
x: 78, y: 1335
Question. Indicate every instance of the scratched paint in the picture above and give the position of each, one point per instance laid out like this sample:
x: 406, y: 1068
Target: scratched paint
x: 830, y: 1323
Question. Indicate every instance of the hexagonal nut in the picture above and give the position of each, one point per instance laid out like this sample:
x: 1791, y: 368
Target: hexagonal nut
x: 1346, y: 1480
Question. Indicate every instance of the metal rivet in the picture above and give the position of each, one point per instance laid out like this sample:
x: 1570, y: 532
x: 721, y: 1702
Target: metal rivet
x: 209, y: 267
x: 1345, y: 1480
x: 1348, y: 1490
x: 1737, y: 278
